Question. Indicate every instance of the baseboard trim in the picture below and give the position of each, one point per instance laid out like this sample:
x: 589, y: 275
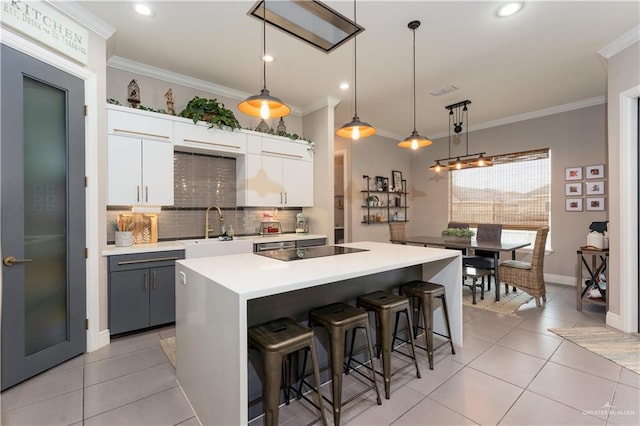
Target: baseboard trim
x: 103, y: 339
x: 615, y: 321
x: 560, y: 279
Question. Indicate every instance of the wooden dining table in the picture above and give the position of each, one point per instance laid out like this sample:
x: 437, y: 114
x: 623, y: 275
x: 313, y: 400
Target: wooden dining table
x: 496, y: 247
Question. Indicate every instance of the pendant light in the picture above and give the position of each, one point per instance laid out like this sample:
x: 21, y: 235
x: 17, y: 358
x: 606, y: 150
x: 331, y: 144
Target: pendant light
x: 414, y: 141
x: 264, y: 105
x: 459, y: 120
x: 355, y: 129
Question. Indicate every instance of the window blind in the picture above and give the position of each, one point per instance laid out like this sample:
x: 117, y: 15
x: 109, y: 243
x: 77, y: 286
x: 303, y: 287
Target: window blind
x: 515, y: 192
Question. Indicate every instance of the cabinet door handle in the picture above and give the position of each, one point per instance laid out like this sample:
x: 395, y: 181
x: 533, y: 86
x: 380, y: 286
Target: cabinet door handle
x: 153, y: 135
x: 282, y: 154
x: 138, y: 193
x: 212, y: 143
x: 155, y: 281
x: 146, y: 281
x: 146, y: 193
x: 157, y: 259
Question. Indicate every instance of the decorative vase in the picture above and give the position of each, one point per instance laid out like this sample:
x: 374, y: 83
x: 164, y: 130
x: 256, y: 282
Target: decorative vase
x: 124, y: 238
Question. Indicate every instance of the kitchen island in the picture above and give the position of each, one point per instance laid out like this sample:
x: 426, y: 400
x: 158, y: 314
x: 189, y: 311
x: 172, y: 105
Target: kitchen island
x: 218, y: 298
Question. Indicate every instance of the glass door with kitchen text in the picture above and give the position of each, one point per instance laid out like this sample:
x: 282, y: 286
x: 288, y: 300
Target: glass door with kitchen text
x: 43, y: 217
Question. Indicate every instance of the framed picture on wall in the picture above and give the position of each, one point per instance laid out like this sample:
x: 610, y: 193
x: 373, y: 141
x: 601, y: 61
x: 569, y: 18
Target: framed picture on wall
x: 595, y: 187
x: 396, y: 180
x: 595, y: 204
x: 595, y: 172
x: 573, y: 205
x: 573, y: 189
x: 573, y: 173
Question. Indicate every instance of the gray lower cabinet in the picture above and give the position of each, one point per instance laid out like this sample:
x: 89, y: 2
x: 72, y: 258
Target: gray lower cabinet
x: 142, y: 290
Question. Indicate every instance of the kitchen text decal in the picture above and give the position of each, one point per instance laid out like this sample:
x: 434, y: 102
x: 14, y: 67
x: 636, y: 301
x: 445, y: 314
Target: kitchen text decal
x: 46, y: 25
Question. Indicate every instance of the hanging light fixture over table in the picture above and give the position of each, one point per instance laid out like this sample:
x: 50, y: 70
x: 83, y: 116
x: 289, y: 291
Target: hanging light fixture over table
x: 264, y: 105
x: 458, y: 117
x: 414, y: 141
x: 355, y: 129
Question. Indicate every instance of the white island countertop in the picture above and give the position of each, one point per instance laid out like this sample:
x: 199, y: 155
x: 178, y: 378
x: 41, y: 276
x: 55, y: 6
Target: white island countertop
x: 252, y: 276
x: 217, y: 298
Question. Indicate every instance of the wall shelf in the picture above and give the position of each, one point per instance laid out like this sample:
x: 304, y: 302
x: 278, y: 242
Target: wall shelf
x: 383, y: 206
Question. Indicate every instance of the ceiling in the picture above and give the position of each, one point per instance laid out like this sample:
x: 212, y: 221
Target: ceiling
x: 543, y: 57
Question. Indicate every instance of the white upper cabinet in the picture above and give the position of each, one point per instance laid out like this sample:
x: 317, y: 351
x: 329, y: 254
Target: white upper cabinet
x: 200, y: 138
x: 275, y: 173
x: 139, y: 159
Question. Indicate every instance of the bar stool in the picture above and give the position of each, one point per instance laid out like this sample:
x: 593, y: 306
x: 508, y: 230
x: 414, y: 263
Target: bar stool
x: 276, y: 341
x: 337, y: 319
x: 422, y: 294
x: 475, y: 274
x: 385, y: 304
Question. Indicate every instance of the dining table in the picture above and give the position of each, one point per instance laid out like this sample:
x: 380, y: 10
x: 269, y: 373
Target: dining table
x: 496, y: 247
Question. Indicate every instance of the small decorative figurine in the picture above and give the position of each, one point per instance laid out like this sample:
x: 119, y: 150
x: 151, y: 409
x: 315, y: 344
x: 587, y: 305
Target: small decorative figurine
x: 281, y: 127
x: 134, y: 94
x: 169, y: 96
x: 262, y: 126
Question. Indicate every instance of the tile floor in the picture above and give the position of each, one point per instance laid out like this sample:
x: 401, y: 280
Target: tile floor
x: 511, y: 371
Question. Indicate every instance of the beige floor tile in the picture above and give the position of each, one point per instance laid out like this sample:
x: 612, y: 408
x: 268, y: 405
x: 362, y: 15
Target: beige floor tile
x: 541, y: 324
x: 625, y: 407
x: 477, y: 396
x: 391, y: 409
x: 629, y: 378
x: 114, y: 367
x: 532, y: 409
x: 64, y: 409
x: 571, y: 355
x: 572, y: 387
x: 486, y: 329
x: 431, y: 379
x: 509, y: 365
x: 429, y: 412
x: 531, y: 342
x: 472, y: 347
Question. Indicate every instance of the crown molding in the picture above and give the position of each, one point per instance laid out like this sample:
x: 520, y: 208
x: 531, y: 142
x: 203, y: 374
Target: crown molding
x: 329, y: 101
x: 618, y: 45
x: 598, y: 100
x: 181, y: 79
x: 84, y: 17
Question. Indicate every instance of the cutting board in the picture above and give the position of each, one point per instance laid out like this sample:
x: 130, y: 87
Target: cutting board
x: 144, y: 226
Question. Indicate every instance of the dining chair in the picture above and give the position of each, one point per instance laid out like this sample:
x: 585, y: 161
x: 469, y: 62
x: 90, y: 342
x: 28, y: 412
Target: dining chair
x: 482, y: 259
x: 397, y: 231
x: 528, y: 276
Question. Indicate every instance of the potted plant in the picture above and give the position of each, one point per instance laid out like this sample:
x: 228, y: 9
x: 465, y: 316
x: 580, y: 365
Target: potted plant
x: 457, y: 233
x: 211, y: 111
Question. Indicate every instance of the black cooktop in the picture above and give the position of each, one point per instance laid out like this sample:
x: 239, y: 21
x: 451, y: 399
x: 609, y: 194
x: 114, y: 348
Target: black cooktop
x: 307, y: 252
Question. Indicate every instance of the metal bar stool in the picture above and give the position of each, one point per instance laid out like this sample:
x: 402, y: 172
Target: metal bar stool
x: 276, y: 341
x: 475, y: 274
x: 385, y: 304
x: 337, y: 319
x: 422, y: 294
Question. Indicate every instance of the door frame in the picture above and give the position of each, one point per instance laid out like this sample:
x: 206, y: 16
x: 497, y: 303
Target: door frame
x: 95, y: 339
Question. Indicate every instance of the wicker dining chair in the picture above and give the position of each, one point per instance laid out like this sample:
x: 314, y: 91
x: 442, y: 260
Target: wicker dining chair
x: 527, y: 276
x: 397, y: 231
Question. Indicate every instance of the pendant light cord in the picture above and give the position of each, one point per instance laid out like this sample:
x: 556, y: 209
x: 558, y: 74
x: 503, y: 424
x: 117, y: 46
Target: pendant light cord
x: 264, y: 44
x: 414, y: 80
x: 355, y: 62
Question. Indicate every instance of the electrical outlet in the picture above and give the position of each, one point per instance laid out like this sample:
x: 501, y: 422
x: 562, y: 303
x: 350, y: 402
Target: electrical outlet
x: 183, y: 278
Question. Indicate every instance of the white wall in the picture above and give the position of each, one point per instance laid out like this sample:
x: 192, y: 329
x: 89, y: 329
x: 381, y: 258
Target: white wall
x: 623, y: 90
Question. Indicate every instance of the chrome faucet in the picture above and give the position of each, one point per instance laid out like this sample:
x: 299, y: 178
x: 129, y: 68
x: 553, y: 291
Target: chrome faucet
x: 207, y: 229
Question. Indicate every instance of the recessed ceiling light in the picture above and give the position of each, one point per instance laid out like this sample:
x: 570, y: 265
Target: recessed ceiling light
x: 344, y: 86
x: 267, y: 58
x: 143, y: 9
x: 509, y: 8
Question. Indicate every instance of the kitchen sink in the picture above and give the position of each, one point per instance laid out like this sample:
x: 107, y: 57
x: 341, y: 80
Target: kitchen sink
x: 214, y: 247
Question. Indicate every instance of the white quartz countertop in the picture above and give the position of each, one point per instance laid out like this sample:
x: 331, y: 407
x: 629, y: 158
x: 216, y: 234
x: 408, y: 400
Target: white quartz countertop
x: 112, y: 250
x: 252, y: 276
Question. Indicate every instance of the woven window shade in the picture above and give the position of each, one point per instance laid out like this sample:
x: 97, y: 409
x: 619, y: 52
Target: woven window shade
x: 515, y: 192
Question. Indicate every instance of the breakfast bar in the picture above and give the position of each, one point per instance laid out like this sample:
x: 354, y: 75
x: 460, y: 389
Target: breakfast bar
x: 217, y: 299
